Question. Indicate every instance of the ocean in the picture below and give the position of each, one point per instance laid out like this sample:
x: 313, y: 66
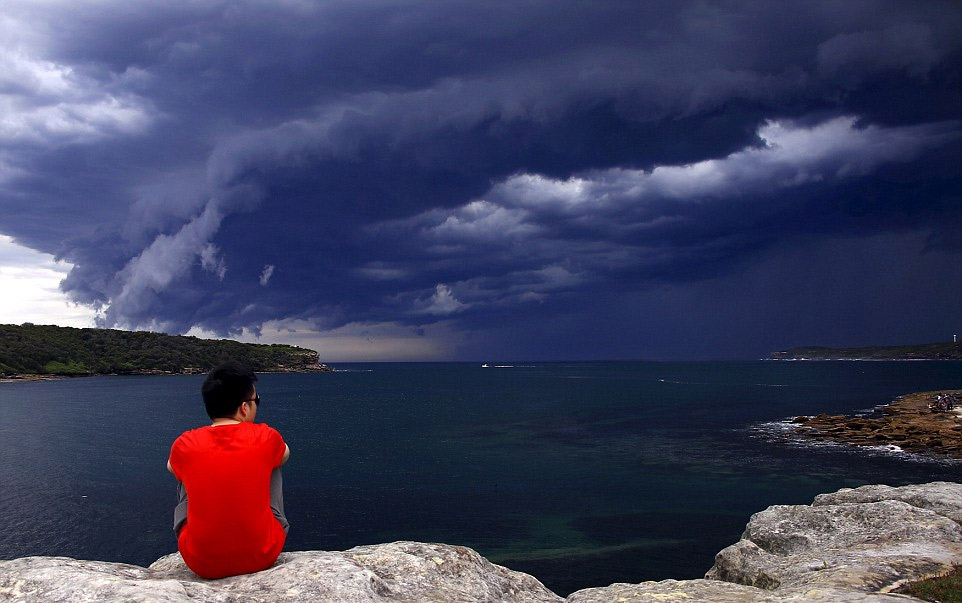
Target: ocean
x: 581, y: 474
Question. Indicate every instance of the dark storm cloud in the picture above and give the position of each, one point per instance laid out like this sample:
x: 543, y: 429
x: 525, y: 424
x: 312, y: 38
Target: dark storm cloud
x: 666, y: 223
x: 225, y: 164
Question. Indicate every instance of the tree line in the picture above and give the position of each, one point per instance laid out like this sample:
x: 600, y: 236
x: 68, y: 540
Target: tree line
x: 30, y: 349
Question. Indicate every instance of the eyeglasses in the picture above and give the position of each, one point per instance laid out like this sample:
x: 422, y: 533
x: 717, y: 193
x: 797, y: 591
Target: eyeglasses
x: 256, y: 399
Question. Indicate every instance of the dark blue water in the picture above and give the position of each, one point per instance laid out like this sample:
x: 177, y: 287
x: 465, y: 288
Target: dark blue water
x: 581, y: 474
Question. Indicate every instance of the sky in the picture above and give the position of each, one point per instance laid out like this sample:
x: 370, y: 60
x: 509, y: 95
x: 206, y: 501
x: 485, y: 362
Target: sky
x: 526, y: 179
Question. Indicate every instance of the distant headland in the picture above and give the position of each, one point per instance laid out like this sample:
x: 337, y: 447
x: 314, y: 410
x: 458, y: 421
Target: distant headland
x: 30, y: 351
x: 928, y: 351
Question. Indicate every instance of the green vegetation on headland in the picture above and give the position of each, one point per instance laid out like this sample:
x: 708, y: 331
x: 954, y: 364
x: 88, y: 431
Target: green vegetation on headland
x: 30, y: 349
x: 929, y: 351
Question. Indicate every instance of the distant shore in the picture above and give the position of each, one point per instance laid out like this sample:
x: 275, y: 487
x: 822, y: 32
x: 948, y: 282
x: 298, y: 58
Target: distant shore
x: 20, y: 378
x: 36, y: 352
x: 927, y: 351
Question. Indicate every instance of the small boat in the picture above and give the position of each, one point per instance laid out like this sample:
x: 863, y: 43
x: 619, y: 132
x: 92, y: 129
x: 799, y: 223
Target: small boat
x: 485, y: 365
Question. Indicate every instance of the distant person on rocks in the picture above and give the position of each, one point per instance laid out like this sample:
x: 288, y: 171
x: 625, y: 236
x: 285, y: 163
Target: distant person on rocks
x: 230, y: 474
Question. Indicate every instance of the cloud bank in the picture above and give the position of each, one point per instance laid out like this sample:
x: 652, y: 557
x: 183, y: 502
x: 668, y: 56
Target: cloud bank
x: 444, y: 170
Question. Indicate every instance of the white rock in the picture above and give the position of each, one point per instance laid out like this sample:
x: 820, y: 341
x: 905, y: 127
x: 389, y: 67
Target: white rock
x: 687, y: 591
x: 400, y: 572
x: 714, y: 591
x: 865, y: 547
x: 944, y: 498
x: 852, y: 546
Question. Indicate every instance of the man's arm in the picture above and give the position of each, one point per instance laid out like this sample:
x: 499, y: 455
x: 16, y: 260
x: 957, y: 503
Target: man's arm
x: 169, y: 468
x: 287, y: 455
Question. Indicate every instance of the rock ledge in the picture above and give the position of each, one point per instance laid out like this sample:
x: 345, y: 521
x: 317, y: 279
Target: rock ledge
x: 854, y: 545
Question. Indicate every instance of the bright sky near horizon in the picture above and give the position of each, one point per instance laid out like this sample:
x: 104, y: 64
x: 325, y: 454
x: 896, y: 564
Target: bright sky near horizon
x: 486, y: 180
x: 30, y: 281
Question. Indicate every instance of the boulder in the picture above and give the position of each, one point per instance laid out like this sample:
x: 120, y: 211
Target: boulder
x: 714, y: 591
x: 855, y: 545
x: 867, y: 547
x: 943, y: 498
x: 400, y: 572
x: 689, y: 591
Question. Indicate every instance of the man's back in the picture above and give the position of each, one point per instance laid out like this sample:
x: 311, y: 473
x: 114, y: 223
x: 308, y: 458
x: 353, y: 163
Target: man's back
x: 226, y: 470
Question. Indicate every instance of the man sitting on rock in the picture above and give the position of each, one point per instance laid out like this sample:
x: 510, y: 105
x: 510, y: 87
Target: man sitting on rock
x: 229, y: 473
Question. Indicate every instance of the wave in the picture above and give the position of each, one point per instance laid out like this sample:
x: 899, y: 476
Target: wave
x: 722, y: 383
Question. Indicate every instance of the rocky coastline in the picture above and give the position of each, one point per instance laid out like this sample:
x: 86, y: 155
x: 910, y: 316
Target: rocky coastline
x: 945, y: 351
x: 17, y: 378
x: 854, y: 545
x: 907, y: 423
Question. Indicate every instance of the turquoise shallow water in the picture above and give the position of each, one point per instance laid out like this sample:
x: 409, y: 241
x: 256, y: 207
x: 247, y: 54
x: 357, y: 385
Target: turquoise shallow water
x: 582, y: 474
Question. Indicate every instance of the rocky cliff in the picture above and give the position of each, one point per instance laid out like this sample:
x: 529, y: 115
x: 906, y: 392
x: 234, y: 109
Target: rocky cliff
x: 849, y: 546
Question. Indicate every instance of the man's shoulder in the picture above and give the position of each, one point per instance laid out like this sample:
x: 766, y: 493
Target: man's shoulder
x: 265, y: 430
x: 263, y: 427
x: 192, y: 435
x: 194, y: 432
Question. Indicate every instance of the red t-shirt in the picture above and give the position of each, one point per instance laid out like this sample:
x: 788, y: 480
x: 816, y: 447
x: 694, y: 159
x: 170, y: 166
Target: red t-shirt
x: 226, y: 470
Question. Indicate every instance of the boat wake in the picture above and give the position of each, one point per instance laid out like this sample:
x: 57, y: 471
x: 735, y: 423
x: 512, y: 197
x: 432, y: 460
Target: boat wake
x: 720, y: 383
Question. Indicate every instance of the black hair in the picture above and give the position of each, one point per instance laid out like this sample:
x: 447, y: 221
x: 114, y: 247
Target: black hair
x: 227, y: 387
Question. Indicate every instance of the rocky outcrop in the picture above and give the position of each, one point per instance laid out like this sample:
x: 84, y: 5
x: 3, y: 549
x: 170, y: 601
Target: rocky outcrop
x: 907, y: 423
x: 400, y: 572
x: 854, y: 545
x: 673, y: 590
x: 850, y: 546
x: 942, y: 498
